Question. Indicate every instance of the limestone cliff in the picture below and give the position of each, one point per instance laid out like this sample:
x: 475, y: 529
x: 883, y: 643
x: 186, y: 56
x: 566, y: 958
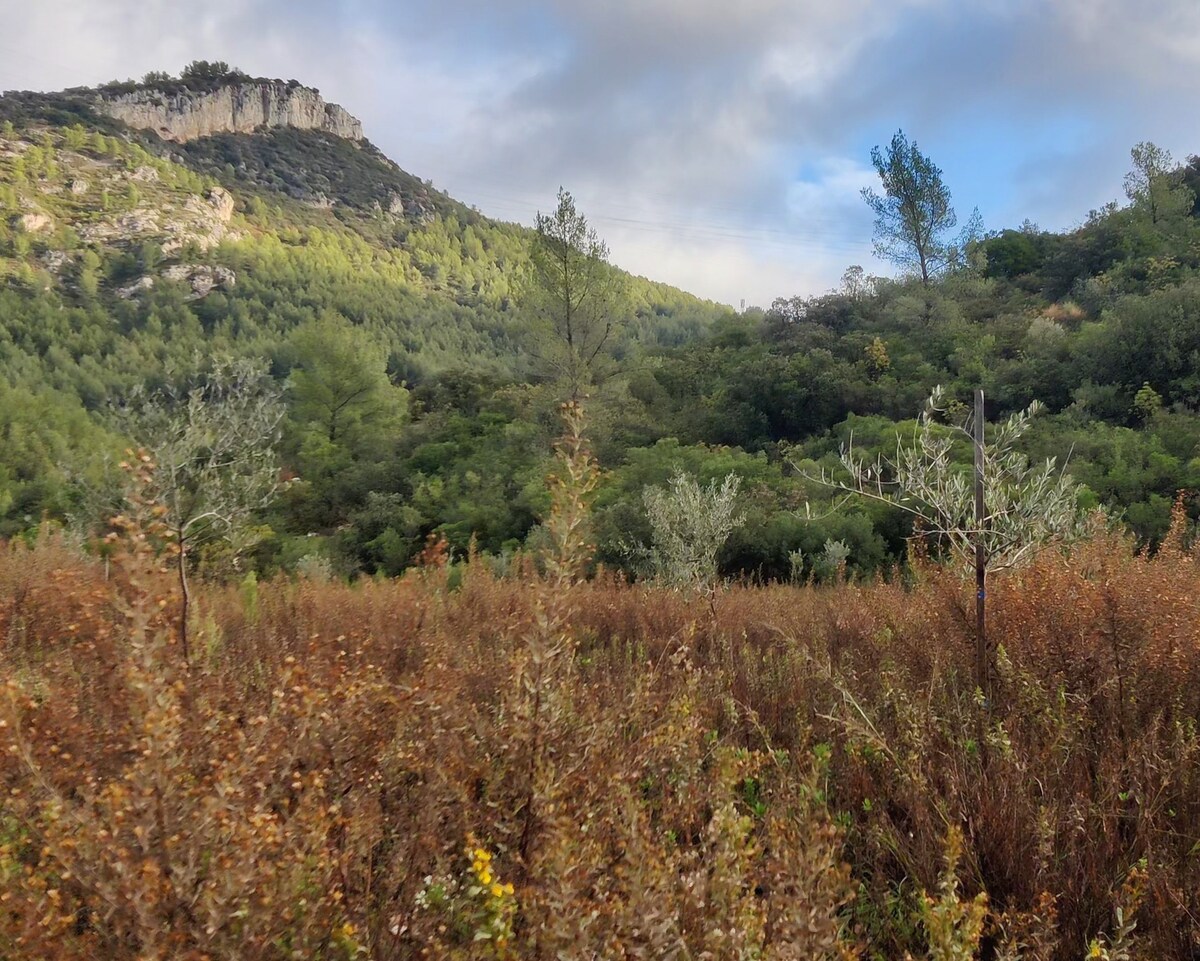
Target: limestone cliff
x: 232, y: 108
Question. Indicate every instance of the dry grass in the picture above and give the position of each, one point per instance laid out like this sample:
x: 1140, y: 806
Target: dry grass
x: 542, y: 768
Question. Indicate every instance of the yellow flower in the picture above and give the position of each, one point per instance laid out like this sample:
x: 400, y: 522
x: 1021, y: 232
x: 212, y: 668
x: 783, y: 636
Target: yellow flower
x: 485, y: 876
x: 497, y: 891
x: 509, y: 889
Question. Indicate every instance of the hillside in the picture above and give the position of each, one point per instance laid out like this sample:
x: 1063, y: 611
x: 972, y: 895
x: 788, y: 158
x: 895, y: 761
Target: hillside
x: 85, y: 171
x: 127, y: 260
x: 125, y: 256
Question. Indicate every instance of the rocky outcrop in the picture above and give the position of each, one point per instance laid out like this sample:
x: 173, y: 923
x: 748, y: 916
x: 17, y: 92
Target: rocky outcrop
x: 132, y: 290
x: 34, y: 223
x: 200, y: 220
x: 234, y: 108
x: 55, y: 260
x: 203, y: 280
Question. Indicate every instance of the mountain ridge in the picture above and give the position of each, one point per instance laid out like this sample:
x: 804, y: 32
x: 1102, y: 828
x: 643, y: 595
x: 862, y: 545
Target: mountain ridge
x: 237, y: 107
x: 104, y: 215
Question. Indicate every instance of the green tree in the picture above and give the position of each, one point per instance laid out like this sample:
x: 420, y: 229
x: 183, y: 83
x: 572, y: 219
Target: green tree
x: 213, y: 453
x: 201, y: 72
x: 574, y: 295
x: 89, y: 274
x: 1027, y: 505
x: 856, y: 285
x: 877, y: 359
x: 913, y: 215
x: 1012, y: 253
x: 1155, y: 186
x: 150, y: 255
x: 340, y: 388
x: 1147, y: 402
x: 689, y: 525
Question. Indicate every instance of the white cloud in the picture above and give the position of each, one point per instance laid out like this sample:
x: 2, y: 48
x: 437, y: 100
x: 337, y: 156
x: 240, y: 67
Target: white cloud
x: 755, y: 270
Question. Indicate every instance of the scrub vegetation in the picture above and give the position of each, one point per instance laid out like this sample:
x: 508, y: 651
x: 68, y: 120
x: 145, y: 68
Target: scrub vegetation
x: 328, y: 631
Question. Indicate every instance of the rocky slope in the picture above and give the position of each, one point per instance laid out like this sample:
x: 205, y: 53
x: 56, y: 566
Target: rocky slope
x: 235, y: 108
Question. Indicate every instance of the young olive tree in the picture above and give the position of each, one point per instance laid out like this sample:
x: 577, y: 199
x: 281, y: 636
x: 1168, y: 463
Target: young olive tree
x: 212, y: 450
x: 573, y: 295
x: 1026, y: 505
x: 689, y: 525
x: 992, y: 519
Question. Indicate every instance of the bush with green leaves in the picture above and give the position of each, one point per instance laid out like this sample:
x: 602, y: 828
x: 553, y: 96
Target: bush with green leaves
x: 1026, y: 505
x: 689, y: 526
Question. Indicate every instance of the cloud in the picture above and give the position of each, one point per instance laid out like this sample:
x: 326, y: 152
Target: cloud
x: 731, y: 271
x: 720, y: 146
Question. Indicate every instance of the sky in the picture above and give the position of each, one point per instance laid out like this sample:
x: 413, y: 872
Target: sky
x: 717, y: 145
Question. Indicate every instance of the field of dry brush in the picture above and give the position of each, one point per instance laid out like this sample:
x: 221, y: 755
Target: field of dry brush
x: 457, y: 765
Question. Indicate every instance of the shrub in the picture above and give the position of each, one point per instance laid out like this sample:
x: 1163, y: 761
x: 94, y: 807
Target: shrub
x: 775, y: 776
x: 689, y: 526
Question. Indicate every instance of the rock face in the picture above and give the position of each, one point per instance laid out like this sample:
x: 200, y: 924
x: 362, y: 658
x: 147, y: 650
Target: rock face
x: 142, y: 283
x: 202, y: 279
x: 55, y: 260
x: 235, y: 108
x: 202, y: 220
x: 34, y: 223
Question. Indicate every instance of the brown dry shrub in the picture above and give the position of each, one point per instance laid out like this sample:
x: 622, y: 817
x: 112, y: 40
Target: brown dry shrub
x: 657, y: 776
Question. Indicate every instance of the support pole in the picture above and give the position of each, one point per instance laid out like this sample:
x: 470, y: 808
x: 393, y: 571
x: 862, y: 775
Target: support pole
x: 982, y: 672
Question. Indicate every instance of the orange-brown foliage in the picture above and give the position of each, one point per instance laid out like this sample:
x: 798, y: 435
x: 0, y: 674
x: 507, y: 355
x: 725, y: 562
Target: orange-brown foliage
x: 771, y: 772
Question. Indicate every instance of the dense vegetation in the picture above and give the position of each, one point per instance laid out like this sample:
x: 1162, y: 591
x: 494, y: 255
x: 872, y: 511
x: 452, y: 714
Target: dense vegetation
x: 511, y: 749
x: 467, y: 765
x: 334, y: 259
x: 380, y: 265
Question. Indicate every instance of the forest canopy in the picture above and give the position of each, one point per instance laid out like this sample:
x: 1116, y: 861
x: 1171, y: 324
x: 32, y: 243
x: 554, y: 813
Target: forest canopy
x: 405, y: 334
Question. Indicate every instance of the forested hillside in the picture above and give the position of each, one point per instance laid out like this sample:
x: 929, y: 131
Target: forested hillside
x: 128, y: 262
x: 382, y: 581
